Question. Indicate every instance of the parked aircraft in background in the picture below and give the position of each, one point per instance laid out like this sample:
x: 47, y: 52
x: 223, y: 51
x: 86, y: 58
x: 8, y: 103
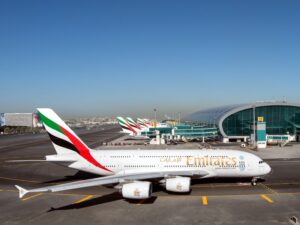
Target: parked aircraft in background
x: 135, y: 126
x: 144, y: 123
x: 126, y: 128
x: 131, y: 171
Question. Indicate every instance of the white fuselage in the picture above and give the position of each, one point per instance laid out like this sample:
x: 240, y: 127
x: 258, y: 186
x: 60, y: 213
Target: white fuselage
x: 218, y: 163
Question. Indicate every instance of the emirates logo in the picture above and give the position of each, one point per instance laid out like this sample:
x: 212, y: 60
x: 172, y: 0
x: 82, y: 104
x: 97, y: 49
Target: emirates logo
x: 179, y: 187
x: 137, y: 192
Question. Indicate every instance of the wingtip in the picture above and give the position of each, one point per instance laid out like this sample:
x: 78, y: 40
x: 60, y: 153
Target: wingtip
x: 22, y: 191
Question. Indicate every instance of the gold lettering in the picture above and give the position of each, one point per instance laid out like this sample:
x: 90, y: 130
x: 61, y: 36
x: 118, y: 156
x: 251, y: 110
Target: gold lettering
x: 189, y: 160
x: 217, y: 161
x: 234, y: 161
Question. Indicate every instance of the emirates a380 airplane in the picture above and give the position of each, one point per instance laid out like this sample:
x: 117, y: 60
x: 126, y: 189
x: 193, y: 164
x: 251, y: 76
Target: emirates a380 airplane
x: 131, y: 171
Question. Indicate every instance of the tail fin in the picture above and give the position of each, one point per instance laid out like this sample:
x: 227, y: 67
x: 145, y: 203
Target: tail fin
x: 125, y: 126
x: 64, y: 140
x: 142, y: 123
x: 133, y: 124
x: 22, y: 191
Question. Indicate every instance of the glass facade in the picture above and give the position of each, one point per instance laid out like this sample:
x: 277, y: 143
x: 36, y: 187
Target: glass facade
x: 279, y: 120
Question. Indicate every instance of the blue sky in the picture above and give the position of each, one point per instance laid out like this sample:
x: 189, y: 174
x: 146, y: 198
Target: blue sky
x: 128, y: 57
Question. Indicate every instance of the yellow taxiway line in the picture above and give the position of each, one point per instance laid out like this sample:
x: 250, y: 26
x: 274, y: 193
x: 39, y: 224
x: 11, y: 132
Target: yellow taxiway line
x: 267, y: 198
x: 32, y: 196
x: 84, y: 199
x: 204, y: 200
x: 16, y: 179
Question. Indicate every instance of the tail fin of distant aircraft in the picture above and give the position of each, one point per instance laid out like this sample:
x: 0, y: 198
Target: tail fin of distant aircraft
x: 133, y: 124
x: 148, y: 122
x: 64, y: 140
x: 142, y: 123
x: 126, y: 128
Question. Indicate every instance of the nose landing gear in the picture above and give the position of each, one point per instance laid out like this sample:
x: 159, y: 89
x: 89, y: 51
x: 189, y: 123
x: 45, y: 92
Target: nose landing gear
x: 254, y: 181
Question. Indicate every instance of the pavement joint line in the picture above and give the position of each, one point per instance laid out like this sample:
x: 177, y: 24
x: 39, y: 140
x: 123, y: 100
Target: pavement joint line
x: 84, y: 199
x: 30, y: 197
x: 269, y: 189
x: 267, y: 198
x: 204, y: 200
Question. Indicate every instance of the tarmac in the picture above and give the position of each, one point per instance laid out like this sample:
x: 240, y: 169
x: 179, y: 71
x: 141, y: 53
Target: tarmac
x: 213, y: 201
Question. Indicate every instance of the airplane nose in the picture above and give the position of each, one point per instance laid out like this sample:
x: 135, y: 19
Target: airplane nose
x: 268, y: 168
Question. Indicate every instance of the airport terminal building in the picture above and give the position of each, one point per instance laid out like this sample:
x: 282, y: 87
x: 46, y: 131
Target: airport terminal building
x: 235, y: 121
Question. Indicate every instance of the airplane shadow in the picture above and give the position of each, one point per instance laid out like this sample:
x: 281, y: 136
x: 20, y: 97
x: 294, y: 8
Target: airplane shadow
x: 92, y: 202
x: 102, y: 200
x: 80, y: 175
x: 148, y: 201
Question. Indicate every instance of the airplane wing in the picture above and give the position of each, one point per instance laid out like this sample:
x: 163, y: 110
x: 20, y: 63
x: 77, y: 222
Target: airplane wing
x: 113, y: 179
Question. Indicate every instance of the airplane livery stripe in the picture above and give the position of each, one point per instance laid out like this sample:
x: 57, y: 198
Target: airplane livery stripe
x: 56, y: 133
x: 62, y: 143
x: 128, y: 127
x: 133, y: 124
x: 132, y: 129
x: 83, y: 150
x: 49, y: 122
x: 75, y: 145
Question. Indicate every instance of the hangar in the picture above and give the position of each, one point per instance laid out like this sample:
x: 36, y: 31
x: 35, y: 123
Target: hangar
x: 235, y: 121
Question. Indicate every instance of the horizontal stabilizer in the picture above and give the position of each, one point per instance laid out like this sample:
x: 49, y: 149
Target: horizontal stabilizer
x: 42, y: 160
x: 22, y: 191
x: 29, y: 160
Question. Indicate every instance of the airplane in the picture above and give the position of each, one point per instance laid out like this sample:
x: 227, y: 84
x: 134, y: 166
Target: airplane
x: 130, y: 127
x: 126, y: 128
x: 135, y: 126
x: 143, y: 123
x: 133, y: 171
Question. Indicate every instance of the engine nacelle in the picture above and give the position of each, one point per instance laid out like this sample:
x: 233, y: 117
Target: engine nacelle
x: 137, y: 190
x: 178, y: 184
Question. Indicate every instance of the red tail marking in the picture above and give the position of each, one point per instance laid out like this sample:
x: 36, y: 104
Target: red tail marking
x: 83, y: 150
x: 128, y: 125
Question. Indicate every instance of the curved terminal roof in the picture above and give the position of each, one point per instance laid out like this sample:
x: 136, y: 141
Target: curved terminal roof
x: 218, y: 114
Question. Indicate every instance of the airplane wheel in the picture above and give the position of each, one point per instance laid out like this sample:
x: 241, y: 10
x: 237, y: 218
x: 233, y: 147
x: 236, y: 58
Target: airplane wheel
x: 254, y: 182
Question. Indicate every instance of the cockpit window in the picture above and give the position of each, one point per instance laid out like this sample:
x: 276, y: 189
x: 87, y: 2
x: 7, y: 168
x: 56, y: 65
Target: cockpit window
x: 260, y: 162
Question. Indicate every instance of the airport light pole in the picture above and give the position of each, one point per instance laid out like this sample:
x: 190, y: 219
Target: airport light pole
x: 155, y: 115
x: 254, y: 127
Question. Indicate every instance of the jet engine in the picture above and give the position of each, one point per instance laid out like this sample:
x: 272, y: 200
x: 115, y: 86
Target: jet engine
x: 178, y: 184
x: 137, y: 190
